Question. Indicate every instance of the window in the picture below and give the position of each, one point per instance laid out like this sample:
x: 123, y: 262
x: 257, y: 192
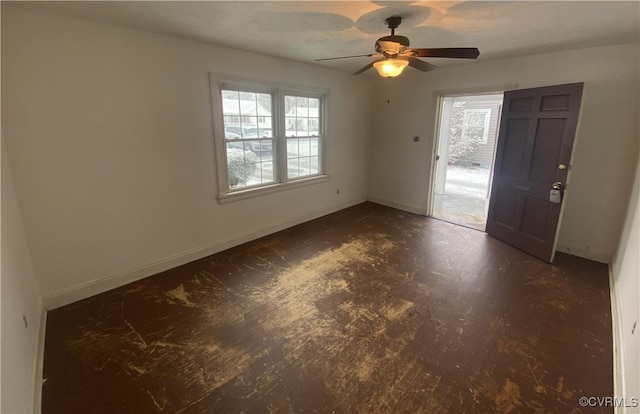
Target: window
x: 476, y: 124
x: 267, y: 137
x: 248, y: 142
x: 303, y: 135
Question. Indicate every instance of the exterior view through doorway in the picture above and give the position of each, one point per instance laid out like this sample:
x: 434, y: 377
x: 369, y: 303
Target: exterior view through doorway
x: 465, y: 153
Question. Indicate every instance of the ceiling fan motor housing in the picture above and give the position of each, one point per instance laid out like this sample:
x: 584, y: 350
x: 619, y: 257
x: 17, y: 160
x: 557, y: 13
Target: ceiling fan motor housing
x: 392, y: 22
x: 402, y: 40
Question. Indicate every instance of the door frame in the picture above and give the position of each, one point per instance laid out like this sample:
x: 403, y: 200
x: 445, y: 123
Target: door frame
x: 438, y: 98
x: 567, y: 192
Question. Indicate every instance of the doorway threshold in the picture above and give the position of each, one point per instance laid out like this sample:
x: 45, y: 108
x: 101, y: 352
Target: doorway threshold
x: 458, y: 224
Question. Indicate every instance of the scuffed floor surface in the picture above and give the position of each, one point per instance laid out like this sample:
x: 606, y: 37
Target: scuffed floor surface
x: 369, y: 310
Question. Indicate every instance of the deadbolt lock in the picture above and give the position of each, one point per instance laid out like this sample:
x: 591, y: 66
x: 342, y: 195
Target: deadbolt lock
x: 555, y: 195
x: 562, y: 167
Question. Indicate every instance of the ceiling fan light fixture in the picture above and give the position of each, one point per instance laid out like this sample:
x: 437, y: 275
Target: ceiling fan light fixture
x: 390, y: 68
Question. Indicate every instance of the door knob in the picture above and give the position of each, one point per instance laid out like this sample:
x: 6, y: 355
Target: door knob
x: 557, y: 185
x: 562, y: 167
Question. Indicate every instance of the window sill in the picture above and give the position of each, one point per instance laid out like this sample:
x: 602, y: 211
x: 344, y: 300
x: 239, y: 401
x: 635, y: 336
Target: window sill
x: 274, y: 188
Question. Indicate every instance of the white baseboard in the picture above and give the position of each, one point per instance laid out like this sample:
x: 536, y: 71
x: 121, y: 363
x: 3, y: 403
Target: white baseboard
x: 39, y: 365
x: 100, y: 285
x: 399, y: 206
x: 619, y: 385
x: 586, y: 254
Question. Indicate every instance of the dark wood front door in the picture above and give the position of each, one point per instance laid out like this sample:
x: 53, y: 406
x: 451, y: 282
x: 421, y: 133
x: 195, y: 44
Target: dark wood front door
x: 537, y: 129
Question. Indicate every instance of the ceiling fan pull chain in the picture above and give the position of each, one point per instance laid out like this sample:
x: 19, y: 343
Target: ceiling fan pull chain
x: 388, y: 90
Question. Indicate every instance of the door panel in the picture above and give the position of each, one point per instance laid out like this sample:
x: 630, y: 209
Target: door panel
x: 506, y: 206
x: 524, y: 104
x: 534, y: 217
x: 548, y: 141
x: 534, y: 147
x: 555, y: 102
x: 514, y: 147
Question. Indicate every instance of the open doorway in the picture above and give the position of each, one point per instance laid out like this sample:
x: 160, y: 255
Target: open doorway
x: 466, y: 146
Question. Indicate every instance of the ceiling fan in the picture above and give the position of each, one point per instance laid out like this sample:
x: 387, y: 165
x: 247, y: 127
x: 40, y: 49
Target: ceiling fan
x: 393, y: 53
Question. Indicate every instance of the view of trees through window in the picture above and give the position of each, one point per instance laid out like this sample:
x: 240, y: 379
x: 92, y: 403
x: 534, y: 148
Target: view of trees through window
x: 469, y: 129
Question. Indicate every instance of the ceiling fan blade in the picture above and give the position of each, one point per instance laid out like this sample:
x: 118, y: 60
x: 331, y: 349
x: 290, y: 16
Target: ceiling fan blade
x: 344, y: 57
x: 421, y: 64
x: 448, y: 52
x: 364, y: 69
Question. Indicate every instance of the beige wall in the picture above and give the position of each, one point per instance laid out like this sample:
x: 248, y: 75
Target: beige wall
x: 604, y: 156
x: 109, y: 131
x: 20, y: 298
x: 626, y: 288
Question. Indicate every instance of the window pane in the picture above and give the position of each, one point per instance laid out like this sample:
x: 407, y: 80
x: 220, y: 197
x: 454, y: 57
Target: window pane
x: 226, y: 94
x: 314, y: 129
x: 289, y: 106
x: 241, y: 165
x: 303, y: 166
x: 292, y: 148
x: 266, y: 149
x: 290, y: 126
x: 314, y: 166
x: 247, y: 104
x: 302, y: 107
x: 249, y: 126
x: 267, y: 172
x: 304, y: 147
x: 248, y: 96
x: 292, y: 168
x: 252, y: 146
x: 265, y: 127
x: 313, y: 146
x: 247, y: 114
x: 245, y: 168
x: 264, y: 104
x: 302, y: 116
x: 302, y: 128
x: 262, y: 174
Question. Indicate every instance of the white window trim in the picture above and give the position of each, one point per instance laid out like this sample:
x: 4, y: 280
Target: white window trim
x: 487, y: 122
x: 225, y: 195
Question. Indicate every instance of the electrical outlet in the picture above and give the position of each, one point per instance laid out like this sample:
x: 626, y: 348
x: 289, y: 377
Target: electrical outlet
x: 26, y: 323
x: 338, y: 191
x: 416, y: 139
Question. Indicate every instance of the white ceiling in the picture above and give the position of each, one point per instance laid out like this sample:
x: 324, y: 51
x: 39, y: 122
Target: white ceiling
x: 308, y: 30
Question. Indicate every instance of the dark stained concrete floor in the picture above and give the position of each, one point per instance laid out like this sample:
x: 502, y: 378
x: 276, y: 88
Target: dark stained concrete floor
x: 369, y: 310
